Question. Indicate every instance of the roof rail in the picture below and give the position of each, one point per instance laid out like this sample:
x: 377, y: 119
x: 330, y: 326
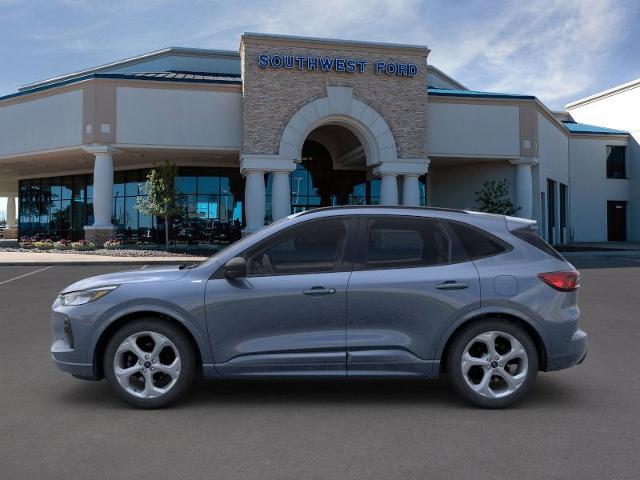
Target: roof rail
x: 378, y: 207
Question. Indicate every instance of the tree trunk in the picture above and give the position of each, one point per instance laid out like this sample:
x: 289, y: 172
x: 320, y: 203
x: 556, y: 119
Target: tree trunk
x: 166, y: 233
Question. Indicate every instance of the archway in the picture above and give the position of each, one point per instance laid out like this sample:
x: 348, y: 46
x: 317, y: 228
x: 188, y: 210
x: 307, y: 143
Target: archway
x: 332, y: 171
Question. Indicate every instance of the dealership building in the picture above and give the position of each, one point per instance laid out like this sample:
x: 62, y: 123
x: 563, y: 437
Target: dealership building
x: 290, y: 123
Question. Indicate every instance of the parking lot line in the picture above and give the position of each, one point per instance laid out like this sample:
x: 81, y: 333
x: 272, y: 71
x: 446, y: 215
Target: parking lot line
x: 25, y: 275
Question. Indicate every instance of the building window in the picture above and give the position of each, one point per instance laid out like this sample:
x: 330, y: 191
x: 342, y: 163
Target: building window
x: 564, y: 202
x: 208, y: 202
x: 616, y: 161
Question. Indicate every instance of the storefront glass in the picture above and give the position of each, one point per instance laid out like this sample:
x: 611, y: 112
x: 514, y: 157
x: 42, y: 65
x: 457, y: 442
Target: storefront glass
x: 208, y: 203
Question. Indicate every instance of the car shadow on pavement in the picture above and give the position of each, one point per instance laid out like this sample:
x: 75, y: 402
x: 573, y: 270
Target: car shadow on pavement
x: 309, y: 393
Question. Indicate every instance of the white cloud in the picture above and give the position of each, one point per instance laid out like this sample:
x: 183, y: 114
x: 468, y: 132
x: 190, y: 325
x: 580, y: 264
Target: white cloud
x: 554, y: 50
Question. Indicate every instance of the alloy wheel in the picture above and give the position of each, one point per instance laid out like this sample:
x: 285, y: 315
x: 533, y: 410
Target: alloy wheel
x: 494, y: 364
x: 147, y: 364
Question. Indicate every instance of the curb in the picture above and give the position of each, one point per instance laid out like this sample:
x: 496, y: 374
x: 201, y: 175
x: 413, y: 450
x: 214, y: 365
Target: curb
x: 613, y: 254
x: 93, y: 263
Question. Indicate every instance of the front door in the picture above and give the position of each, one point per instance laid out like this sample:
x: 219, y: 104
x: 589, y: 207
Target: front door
x: 287, y: 316
x: 617, y: 221
x: 410, y: 282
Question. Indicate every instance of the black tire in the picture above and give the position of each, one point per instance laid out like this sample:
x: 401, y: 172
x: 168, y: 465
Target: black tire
x: 456, y: 351
x: 181, y: 343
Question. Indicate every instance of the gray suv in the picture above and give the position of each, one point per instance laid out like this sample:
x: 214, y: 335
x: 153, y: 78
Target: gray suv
x: 335, y: 292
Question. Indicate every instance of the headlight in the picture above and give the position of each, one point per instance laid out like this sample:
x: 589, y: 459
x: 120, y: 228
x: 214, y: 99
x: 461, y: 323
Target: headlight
x: 85, y: 296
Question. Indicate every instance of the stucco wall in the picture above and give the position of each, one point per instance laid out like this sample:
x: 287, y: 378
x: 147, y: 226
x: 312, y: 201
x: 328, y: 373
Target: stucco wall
x: 42, y: 124
x: 271, y: 96
x: 590, y: 189
x: 455, y: 186
x: 466, y: 129
x: 620, y: 111
x: 197, y: 118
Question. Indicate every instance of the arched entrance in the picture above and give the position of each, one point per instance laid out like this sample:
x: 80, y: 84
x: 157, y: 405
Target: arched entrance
x: 332, y: 171
x: 333, y: 151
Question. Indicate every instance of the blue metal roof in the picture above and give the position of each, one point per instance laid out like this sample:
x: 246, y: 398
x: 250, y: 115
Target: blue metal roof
x: 187, y: 77
x: 445, y: 92
x: 575, y: 127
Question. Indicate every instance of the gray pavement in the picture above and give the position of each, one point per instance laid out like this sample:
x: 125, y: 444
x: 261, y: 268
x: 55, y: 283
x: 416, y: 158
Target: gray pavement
x: 582, y: 423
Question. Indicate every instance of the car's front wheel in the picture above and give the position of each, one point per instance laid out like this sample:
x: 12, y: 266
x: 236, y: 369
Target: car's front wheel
x: 492, y: 363
x: 149, y: 363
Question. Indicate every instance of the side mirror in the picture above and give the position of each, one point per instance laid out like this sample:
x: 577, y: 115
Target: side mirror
x: 235, y: 268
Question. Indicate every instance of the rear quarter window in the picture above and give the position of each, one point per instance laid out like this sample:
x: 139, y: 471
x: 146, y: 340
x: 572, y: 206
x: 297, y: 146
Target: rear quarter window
x: 478, y: 243
x: 532, y: 238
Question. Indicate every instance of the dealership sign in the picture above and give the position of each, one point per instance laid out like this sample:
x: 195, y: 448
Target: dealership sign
x: 335, y: 64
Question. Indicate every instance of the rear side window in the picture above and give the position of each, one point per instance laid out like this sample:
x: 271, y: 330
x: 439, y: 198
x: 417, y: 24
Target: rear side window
x: 476, y: 242
x: 403, y: 242
x: 532, y: 238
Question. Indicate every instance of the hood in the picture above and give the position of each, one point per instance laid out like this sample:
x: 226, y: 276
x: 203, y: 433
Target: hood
x: 155, y: 274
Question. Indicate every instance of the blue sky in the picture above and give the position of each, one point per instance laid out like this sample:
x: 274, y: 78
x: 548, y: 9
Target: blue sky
x: 557, y: 50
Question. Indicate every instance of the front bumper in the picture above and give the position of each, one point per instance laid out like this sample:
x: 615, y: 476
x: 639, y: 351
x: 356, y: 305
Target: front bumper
x: 66, y: 350
x: 574, y: 353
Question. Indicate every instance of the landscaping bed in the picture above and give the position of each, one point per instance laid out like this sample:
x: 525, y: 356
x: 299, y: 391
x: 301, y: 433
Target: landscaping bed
x: 111, y: 248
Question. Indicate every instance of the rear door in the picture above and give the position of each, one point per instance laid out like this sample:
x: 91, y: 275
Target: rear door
x: 411, y: 279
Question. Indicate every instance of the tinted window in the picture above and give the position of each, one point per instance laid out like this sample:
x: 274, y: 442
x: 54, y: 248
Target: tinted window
x: 477, y: 243
x: 406, y: 242
x: 316, y: 246
x: 616, y: 167
x: 532, y: 238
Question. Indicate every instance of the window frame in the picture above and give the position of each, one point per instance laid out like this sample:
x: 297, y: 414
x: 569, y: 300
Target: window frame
x: 360, y: 257
x: 609, y: 149
x: 345, y: 264
x: 503, y: 243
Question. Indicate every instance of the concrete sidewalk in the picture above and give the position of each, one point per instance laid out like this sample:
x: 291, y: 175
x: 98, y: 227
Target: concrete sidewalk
x: 35, y: 259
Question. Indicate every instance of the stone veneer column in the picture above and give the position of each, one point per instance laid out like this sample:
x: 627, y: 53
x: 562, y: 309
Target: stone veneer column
x: 253, y: 167
x: 254, y: 200
x: 280, y: 195
x: 409, y: 170
x: 389, y: 189
x: 11, y: 232
x: 102, y: 228
x: 11, y: 211
x: 411, y: 190
x: 524, y: 185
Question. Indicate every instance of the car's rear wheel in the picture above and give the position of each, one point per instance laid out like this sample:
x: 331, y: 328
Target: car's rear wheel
x: 492, y: 363
x: 149, y: 363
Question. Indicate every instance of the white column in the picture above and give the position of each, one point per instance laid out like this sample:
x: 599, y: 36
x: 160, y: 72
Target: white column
x: 410, y: 190
x: 11, y: 212
x: 103, y: 189
x: 254, y: 199
x: 524, y: 186
x: 389, y: 189
x: 280, y: 195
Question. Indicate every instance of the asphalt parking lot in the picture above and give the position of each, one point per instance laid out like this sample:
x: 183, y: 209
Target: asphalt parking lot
x: 581, y: 423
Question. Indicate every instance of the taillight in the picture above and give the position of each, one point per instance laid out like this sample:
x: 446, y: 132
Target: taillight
x: 563, y: 281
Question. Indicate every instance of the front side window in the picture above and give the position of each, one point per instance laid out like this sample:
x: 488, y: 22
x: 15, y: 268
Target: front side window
x: 616, y: 161
x: 406, y: 242
x: 313, y: 247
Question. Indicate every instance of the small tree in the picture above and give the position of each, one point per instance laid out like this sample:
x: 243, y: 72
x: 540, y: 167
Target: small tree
x: 494, y: 198
x: 160, y: 193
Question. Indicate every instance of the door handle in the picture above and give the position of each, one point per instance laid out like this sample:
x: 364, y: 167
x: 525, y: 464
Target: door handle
x: 318, y: 291
x: 451, y: 285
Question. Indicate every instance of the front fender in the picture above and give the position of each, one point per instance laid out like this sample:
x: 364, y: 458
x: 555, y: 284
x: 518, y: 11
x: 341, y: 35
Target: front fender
x: 153, y: 306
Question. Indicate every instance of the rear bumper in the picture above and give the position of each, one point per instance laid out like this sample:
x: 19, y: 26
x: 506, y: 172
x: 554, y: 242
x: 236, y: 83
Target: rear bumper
x: 574, y: 353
